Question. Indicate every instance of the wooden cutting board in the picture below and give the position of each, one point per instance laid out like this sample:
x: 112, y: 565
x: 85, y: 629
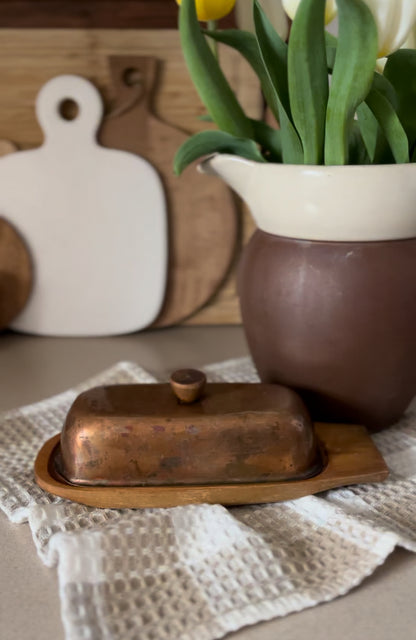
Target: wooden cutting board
x: 15, y: 273
x: 93, y: 219
x: 202, y: 210
x: 15, y: 264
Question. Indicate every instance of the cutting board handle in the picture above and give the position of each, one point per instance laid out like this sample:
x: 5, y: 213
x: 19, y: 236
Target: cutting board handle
x: 83, y: 127
x: 133, y: 79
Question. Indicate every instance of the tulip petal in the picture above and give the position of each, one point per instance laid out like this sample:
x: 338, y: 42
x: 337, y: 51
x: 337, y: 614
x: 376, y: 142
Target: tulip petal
x: 410, y: 42
x: 208, y: 10
x: 291, y: 7
x: 395, y: 19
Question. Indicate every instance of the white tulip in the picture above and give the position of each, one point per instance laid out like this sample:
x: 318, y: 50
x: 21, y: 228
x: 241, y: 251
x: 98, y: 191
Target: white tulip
x: 291, y: 6
x: 395, y: 20
x: 410, y: 42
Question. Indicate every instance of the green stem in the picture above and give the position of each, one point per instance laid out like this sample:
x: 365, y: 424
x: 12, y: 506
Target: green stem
x: 212, y: 25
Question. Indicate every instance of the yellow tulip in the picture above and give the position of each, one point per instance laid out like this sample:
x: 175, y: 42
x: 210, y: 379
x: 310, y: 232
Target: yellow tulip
x: 208, y: 10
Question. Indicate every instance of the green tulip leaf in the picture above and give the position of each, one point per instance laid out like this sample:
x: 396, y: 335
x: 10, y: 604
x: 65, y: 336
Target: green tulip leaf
x: 207, y: 142
x: 273, y: 51
x: 384, y: 86
x: 390, y: 125
x: 269, y: 140
x: 246, y: 44
x: 207, y: 76
x: 375, y: 142
x: 400, y: 70
x: 352, y: 75
x: 380, y: 82
x: 357, y: 152
x: 369, y: 129
x: 331, y: 43
x: 308, y: 78
x: 205, y: 117
x: 274, y: 55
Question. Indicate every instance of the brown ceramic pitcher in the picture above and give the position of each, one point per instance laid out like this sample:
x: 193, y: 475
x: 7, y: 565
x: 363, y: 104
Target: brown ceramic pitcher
x: 327, y: 283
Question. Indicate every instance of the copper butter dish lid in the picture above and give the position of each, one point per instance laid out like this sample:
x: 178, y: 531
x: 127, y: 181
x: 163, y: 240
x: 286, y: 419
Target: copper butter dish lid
x: 157, y: 445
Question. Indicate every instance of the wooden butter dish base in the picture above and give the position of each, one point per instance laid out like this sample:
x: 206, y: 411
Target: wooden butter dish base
x: 352, y: 458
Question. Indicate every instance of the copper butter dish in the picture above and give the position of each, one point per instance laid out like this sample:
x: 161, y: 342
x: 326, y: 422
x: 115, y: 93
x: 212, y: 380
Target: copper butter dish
x: 160, y: 445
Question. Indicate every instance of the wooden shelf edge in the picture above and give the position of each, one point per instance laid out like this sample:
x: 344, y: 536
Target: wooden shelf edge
x: 92, y: 14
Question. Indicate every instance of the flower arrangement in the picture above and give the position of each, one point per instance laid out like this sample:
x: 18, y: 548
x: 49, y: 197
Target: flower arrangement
x: 332, y: 104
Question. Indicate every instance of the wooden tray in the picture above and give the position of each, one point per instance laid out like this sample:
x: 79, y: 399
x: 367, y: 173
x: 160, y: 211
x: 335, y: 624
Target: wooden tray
x: 203, y: 223
x: 351, y: 458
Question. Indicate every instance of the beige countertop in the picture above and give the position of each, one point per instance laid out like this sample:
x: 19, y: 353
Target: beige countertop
x: 33, y: 368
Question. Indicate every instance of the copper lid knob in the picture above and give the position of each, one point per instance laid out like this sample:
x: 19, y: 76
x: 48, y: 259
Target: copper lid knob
x: 188, y: 385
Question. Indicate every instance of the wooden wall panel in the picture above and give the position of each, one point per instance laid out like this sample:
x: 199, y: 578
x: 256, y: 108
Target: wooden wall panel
x: 113, y: 14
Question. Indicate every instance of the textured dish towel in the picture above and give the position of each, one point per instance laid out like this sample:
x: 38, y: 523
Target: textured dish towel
x: 198, y: 572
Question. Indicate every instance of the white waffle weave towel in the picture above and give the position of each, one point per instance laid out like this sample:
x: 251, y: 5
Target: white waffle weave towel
x: 201, y: 571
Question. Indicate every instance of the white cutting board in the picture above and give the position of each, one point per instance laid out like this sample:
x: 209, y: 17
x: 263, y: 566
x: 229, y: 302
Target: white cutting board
x: 94, y: 220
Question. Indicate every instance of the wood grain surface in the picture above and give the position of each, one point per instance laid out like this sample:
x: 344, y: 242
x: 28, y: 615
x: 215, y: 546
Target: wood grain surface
x: 30, y: 57
x: 15, y: 273
x: 6, y: 147
x: 114, y: 14
x: 15, y: 263
x: 352, y: 458
x: 202, y: 212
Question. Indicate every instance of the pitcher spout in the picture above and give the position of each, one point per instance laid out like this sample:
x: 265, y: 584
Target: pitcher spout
x: 341, y: 203
x: 237, y: 172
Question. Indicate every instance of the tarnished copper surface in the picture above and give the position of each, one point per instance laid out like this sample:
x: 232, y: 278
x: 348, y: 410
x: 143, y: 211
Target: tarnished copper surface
x: 142, y: 435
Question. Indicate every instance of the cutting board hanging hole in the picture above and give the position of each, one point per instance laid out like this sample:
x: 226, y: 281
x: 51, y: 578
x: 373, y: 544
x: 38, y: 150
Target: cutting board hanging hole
x: 55, y: 104
x: 68, y: 109
x: 131, y: 78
